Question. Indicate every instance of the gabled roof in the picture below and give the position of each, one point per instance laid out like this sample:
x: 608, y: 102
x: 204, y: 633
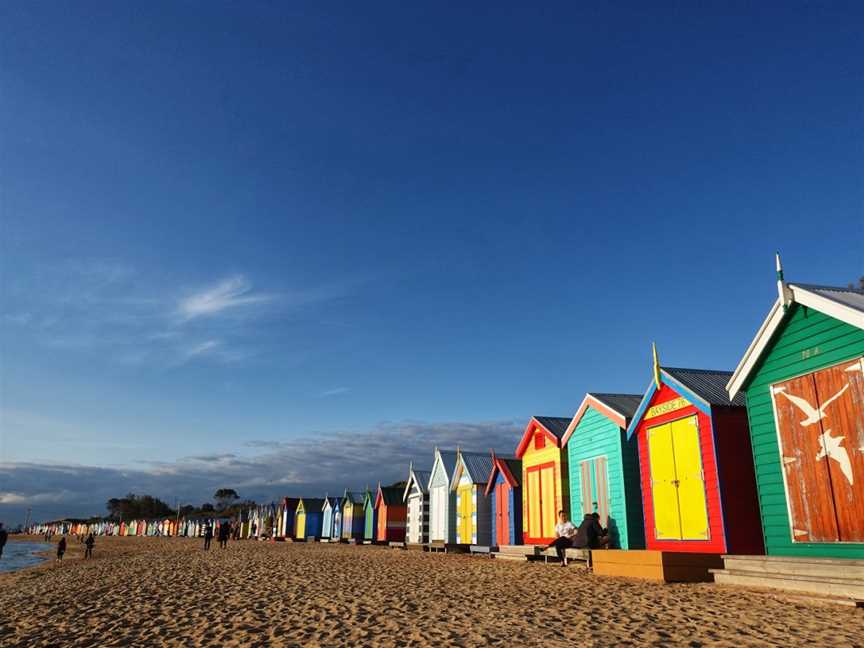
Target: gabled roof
x: 510, y: 467
x: 843, y: 304
x: 332, y: 501
x: 619, y: 408
x: 553, y: 426
x: 389, y: 494
x: 418, y: 477
x: 447, y: 460
x: 355, y: 497
x: 478, y: 465
x: 702, y: 387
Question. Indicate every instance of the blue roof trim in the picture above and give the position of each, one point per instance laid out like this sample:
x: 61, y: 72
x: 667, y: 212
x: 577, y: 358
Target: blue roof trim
x: 698, y: 402
x: 643, y: 405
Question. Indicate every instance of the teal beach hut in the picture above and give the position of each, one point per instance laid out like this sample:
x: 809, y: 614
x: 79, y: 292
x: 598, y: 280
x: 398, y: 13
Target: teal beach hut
x: 604, y: 467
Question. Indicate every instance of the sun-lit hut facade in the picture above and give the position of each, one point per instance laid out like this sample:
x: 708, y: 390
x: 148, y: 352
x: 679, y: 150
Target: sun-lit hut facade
x: 416, y: 499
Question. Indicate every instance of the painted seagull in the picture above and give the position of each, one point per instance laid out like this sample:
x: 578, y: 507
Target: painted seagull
x: 831, y: 449
x: 813, y: 414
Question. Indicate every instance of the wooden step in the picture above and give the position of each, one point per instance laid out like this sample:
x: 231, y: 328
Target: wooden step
x: 668, y: 566
x: 848, y: 588
x: 396, y: 545
x: 571, y: 554
x: 415, y: 546
x: 519, y: 550
x: 481, y: 550
x: 497, y: 555
x: 813, y: 567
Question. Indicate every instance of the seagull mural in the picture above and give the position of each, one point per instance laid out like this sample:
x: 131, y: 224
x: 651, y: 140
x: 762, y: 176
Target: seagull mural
x: 832, y: 449
x: 813, y: 415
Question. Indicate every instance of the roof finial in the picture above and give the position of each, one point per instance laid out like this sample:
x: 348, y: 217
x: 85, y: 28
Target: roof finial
x: 782, y: 289
x: 656, y: 365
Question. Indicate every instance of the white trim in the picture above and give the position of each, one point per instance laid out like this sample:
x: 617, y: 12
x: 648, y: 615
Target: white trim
x: 837, y: 310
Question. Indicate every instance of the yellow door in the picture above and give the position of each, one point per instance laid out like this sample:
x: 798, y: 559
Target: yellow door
x: 550, y: 501
x: 465, y: 510
x: 532, y: 497
x: 691, y: 481
x: 300, y: 531
x: 667, y: 520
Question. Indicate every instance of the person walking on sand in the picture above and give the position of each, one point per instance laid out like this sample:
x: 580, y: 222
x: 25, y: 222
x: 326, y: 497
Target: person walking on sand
x: 61, y: 548
x: 88, y: 543
x: 3, y: 538
x: 564, y: 534
x: 208, y: 536
x: 224, y: 534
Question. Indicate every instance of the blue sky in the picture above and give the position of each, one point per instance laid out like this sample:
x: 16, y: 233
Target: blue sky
x: 241, y: 242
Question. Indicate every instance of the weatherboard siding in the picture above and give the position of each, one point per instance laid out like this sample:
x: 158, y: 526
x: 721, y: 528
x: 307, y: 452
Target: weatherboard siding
x: 597, y: 436
x: 807, y: 342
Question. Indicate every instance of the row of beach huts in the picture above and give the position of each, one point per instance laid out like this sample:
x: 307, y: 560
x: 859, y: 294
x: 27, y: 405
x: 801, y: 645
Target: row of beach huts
x: 752, y: 477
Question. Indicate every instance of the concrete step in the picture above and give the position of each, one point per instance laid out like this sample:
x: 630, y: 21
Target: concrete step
x: 814, y: 567
x: 396, y: 545
x: 848, y: 588
x: 481, y: 550
x: 497, y: 555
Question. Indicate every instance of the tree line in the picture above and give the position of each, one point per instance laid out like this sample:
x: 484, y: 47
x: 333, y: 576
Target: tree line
x: 226, y: 502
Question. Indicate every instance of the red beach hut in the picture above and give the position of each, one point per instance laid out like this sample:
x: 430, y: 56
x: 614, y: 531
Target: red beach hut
x: 696, y: 463
x: 392, y: 513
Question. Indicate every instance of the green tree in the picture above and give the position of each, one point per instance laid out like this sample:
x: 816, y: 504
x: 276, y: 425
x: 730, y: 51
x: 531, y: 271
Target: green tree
x: 225, y: 497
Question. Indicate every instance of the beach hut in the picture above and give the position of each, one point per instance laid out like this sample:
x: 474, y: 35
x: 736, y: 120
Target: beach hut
x: 544, y: 477
x: 391, y: 513
x: 696, y: 465
x: 604, y: 467
x: 442, y: 504
x: 473, y: 508
x: 330, y: 516
x: 416, y: 498
x: 504, y: 490
x: 308, y: 518
x: 353, y: 518
x: 803, y: 376
x: 370, y: 516
x: 288, y: 516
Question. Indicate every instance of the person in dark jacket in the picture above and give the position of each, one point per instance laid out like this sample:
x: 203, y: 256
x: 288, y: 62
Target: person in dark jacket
x: 3, y: 538
x: 208, y: 536
x: 224, y: 534
x: 88, y: 543
x: 590, y: 535
x: 61, y: 548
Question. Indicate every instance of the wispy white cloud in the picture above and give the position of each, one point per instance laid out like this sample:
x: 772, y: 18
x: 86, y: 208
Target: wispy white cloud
x: 336, y: 391
x: 228, y: 294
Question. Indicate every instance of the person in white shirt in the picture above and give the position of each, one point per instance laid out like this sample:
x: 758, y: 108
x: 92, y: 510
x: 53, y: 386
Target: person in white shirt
x: 564, y: 534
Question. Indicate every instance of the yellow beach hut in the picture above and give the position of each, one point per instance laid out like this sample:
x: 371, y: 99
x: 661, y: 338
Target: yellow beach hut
x: 545, y: 489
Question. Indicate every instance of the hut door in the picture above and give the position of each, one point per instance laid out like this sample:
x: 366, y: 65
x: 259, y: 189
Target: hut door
x: 502, y: 514
x: 820, y: 429
x: 439, y: 513
x: 464, y: 511
x: 595, y: 488
x: 414, y: 514
x: 541, y: 502
x: 382, y: 524
x: 677, y: 481
x: 300, y: 530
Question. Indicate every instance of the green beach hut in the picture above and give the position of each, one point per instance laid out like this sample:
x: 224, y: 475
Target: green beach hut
x: 370, y: 517
x: 604, y: 467
x: 803, y: 377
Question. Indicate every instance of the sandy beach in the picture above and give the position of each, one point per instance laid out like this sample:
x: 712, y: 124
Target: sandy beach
x: 149, y: 591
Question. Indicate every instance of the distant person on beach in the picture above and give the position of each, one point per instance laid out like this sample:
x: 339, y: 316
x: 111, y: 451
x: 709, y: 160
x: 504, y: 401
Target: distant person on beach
x: 88, y: 543
x: 224, y: 534
x: 564, y: 534
x: 208, y: 536
x: 590, y: 534
x: 61, y: 548
x: 3, y: 538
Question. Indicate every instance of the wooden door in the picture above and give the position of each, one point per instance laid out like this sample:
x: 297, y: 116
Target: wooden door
x: 337, y: 525
x: 382, y: 524
x: 664, y: 496
x: 300, y: 526
x: 534, y: 503
x: 807, y: 478
x: 414, y: 519
x: 840, y: 390
x: 549, y: 500
x: 502, y: 514
x: 464, y: 513
x: 678, y: 481
x: 438, y: 506
x: 595, y: 488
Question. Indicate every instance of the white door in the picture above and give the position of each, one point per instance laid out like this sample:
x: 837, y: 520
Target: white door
x: 438, y: 511
x: 415, y: 519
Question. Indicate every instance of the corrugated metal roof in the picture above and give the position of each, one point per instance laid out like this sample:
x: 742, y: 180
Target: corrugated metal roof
x: 391, y: 495
x: 555, y: 424
x: 478, y: 465
x: 313, y: 503
x: 514, y: 466
x: 851, y: 297
x: 448, y: 458
x: 708, y: 384
x: 625, y: 404
x: 423, y: 477
x: 356, y: 497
